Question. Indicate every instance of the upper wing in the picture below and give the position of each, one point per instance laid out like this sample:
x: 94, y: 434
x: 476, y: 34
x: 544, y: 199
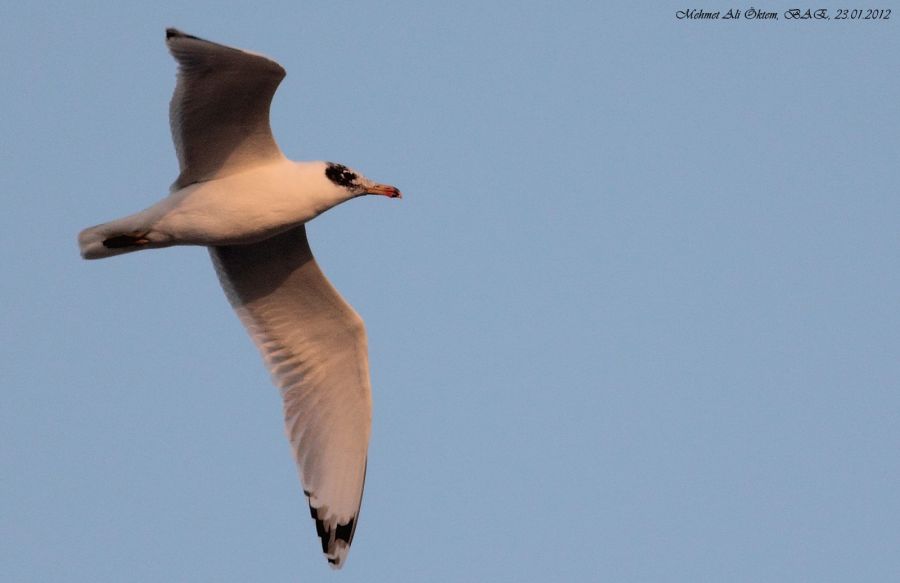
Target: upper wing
x: 219, y: 112
x: 314, y: 344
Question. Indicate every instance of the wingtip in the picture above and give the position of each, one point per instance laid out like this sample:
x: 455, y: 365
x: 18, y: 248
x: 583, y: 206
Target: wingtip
x: 172, y: 32
x: 338, y: 557
x: 335, y: 537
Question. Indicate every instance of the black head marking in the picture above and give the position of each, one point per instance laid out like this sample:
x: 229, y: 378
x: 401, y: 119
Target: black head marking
x: 341, y: 175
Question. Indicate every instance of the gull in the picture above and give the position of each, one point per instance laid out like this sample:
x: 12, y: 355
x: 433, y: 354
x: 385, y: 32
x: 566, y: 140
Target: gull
x: 239, y: 196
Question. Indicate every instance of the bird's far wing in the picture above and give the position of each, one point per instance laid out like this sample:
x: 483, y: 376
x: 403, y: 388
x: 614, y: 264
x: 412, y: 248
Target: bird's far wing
x: 314, y: 344
x: 219, y: 112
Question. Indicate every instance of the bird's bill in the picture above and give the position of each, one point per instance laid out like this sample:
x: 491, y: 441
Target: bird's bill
x: 385, y: 190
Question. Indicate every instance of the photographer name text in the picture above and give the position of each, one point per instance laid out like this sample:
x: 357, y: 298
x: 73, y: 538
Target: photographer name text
x: 799, y: 14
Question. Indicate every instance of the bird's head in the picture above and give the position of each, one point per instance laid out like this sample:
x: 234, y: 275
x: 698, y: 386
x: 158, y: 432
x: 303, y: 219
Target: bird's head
x: 355, y: 183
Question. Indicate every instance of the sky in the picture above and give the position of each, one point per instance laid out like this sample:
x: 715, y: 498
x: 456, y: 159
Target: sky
x: 635, y: 318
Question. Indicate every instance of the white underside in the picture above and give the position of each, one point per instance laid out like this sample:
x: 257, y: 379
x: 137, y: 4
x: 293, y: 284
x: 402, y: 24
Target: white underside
x: 238, y: 209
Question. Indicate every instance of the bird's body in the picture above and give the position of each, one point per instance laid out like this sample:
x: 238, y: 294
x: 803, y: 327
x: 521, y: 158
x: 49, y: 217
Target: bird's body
x: 242, y: 208
x: 238, y: 195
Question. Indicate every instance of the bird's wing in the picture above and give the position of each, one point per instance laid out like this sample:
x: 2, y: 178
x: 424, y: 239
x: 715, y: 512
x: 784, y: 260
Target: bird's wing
x: 314, y: 344
x: 219, y: 112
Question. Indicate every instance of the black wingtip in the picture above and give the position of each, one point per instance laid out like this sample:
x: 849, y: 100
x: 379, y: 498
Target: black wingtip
x: 328, y: 538
x: 344, y: 532
x: 175, y: 33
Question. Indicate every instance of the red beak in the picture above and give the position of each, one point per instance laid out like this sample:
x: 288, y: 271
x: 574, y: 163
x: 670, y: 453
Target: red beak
x: 384, y: 190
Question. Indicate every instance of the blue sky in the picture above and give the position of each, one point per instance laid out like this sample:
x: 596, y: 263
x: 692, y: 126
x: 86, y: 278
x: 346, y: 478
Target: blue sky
x: 635, y: 318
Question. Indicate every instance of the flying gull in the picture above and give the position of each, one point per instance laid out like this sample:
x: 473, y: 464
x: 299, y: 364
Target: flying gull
x: 238, y: 195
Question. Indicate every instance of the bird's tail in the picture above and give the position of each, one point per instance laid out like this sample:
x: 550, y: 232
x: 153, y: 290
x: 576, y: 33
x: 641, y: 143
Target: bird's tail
x: 117, y: 237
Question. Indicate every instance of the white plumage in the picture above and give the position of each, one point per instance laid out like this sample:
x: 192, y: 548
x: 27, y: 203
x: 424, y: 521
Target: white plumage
x: 240, y: 196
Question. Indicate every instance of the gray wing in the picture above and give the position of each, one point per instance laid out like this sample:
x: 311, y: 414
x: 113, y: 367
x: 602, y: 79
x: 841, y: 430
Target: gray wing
x: 314, y: 344
x: 219, y: 112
